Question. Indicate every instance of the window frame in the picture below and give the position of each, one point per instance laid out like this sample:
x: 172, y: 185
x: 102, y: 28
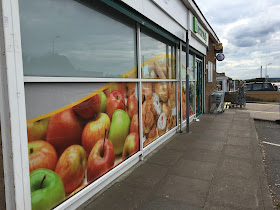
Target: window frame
x: 13, y: 117
x: 210, y: 71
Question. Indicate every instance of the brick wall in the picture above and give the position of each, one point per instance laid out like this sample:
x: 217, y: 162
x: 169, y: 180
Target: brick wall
x: 210, y: 86
x: 267, y: 96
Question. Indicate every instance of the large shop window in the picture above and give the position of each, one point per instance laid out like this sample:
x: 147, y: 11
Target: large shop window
x: 66, y: 38
x: 191, y: 93
x: 78, y: 131
x: 158, y: 57
x: 159, y: 113
x: 184, y: 91
x: 192, y: 89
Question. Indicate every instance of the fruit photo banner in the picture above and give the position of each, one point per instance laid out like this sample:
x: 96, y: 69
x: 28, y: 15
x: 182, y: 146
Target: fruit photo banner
x: 73, y: 146
x: 190, y: 71
x: 159, y: 67
x: 158, y: 109
x: 130, y: 74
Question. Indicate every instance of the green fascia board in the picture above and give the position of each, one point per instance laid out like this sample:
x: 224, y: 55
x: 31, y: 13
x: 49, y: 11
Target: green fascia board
x: 128, y: 11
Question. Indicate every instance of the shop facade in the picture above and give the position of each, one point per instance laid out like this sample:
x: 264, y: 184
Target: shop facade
x: 89, y: 88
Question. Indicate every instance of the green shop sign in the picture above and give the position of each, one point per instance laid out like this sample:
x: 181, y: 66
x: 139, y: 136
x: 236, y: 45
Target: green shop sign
x: 198, y: 29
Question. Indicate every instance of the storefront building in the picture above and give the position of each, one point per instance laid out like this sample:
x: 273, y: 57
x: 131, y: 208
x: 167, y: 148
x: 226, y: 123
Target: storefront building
x: 210, y: 76
x: 89, y: 88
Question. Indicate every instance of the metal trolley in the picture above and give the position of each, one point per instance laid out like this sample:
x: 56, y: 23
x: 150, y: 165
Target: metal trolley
x: 236, y: 98
x: 217, y: 102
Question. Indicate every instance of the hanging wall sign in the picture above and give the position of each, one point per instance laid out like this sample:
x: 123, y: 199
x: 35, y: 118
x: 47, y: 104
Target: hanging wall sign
x: 218, y: 48
x: 220, y: 57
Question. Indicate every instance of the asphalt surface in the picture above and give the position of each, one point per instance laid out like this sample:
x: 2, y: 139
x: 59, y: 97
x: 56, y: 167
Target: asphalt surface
x: 270, y: 132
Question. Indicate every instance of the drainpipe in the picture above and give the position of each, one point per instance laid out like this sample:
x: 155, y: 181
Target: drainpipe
x: 187, y: 85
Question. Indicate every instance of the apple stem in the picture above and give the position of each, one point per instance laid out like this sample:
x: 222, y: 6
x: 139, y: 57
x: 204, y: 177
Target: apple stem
x: 124, y: 104
x: 31, y: 150
x: 42, y: 181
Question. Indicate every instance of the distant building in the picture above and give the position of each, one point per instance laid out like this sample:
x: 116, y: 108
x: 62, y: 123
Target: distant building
x: 222, y: 82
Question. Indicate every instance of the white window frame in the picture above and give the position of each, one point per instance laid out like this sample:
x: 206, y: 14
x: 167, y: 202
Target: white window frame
x: 210, y: 71
x: 13, y: 118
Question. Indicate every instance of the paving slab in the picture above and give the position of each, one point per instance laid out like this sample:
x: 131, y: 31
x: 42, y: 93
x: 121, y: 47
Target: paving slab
x: 120, y: 196
x: 241, y: 123
x: 209, y: 145
x: 211, y: 132
x: 146, y: 176
x: 184, y: 189
x: 240, y: 127
x: 237, y: 192
x: 221, y: 138
x: 194, y: 169
x: 226, y: 120
x: 239, y: 152
x: 247, y: 133
x: 240, y: 141
x: 235, y: 167
x: 202, y: 155
x: 210, y: 206
x: 179, y: 145
x: 165, y: 158
x: 167, y: 204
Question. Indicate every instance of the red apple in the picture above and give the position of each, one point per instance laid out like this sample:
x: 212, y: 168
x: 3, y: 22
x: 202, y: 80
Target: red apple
x: 41, y: 155
x: 71, y: 167
x: 95, y: 130
x: 100, y: 160
x: 37, y: 130
x: 64, y: 130
x: 88, y: 108
x: 132, y: 106
x: 130, y: 88
x: 134, y: 125
x: 115, y: 101
x: 131, y: 145
x: 119, y: 86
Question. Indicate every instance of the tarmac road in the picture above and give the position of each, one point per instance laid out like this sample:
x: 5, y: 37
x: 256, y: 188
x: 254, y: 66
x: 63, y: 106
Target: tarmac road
x: 269, y: 132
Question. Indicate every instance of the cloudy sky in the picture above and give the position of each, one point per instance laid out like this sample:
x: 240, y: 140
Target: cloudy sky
x: 250, y: 33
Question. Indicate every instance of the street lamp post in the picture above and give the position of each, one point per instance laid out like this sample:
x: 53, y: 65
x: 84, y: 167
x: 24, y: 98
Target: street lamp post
x: 266, y: 71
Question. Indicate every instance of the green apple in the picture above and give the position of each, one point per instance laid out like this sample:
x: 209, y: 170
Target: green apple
x: 119, y: 130
x: 47, y: 189
x: 102, y: 107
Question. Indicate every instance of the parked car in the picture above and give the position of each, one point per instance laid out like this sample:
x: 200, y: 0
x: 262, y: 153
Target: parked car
x: 260, y: 86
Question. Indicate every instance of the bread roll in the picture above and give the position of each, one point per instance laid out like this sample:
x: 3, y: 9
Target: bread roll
x: 161, y: 90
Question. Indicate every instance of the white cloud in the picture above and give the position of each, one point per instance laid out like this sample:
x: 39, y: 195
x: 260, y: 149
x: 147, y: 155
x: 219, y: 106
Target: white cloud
x: 250, y: 33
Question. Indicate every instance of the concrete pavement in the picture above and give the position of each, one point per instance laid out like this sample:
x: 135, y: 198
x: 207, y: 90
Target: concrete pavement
x: 216, y: 166
x: 263, y: 111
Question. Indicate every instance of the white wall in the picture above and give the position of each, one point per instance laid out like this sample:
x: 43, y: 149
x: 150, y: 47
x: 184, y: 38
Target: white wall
x: 151, y: 10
